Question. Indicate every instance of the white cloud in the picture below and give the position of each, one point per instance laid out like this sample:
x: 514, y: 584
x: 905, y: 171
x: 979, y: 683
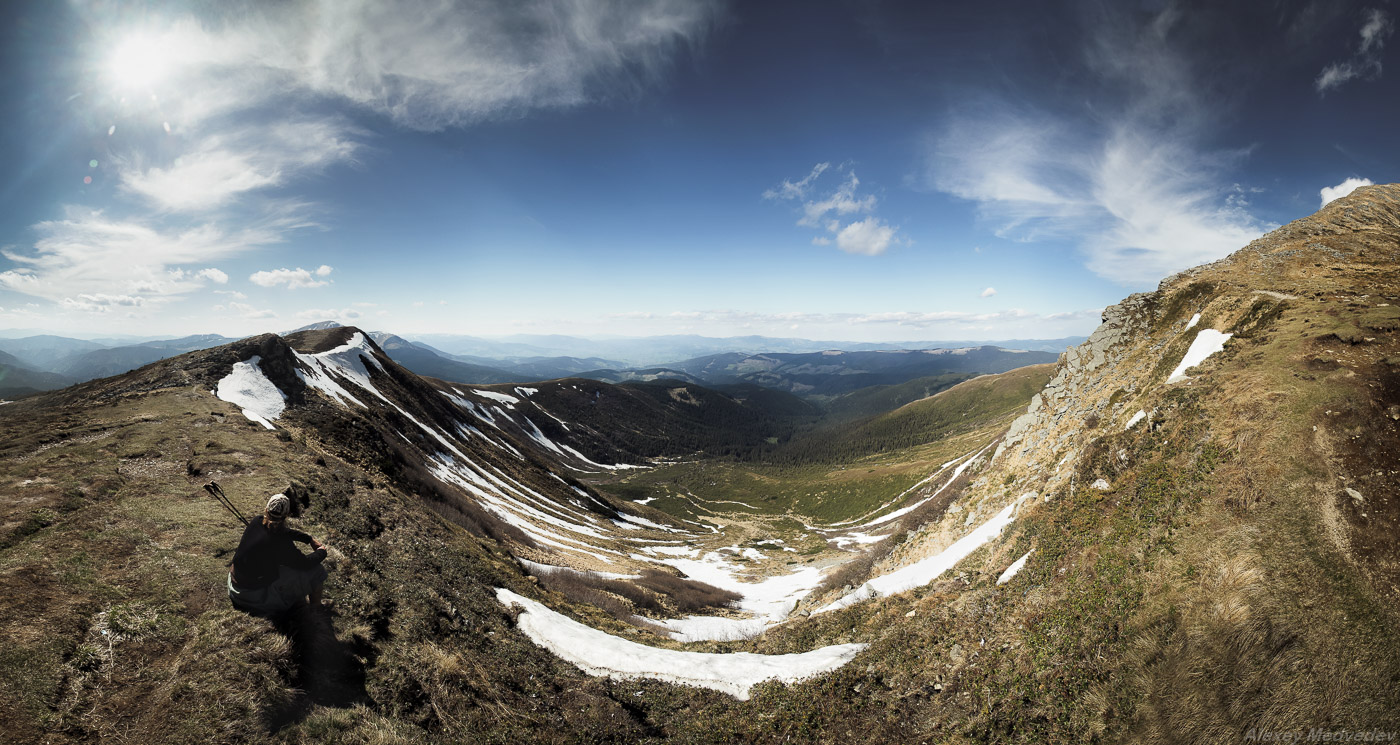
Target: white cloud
x: 870, y: 236
x: 1332, y: 193
x: 246, y: 311
x: 1365, y: 62
x: 323, y: 314
x: 990, y: 291
x: 198, y: 181
x: 294, y: 279
x: 323, y: 271
x: 101, y: 303
x: 90, y: 255
x: 796, y: 190
x: 220, y: 168
x: 1131, y: 187
x: 843, y: 201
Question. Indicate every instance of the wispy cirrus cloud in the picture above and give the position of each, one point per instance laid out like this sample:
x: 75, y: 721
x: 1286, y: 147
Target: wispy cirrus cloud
x: 440, y: 64
x: 1365, y: 62
x: 220, y: 168
x: 831, y: 211
x: 796, y: 189
x: 1131, y: 186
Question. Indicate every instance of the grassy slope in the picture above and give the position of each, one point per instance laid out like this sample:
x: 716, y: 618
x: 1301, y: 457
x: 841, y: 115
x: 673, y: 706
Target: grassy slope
x: 106, y: 529
x: 964, y: 407
x: 842, y: 472
x: 878, y: 399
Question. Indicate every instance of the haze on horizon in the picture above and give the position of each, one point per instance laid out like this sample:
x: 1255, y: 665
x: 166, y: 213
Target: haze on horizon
x: 864, y: 172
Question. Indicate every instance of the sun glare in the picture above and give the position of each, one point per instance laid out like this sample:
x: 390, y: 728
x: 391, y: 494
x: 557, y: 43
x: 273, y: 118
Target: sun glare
x: 139, y: 63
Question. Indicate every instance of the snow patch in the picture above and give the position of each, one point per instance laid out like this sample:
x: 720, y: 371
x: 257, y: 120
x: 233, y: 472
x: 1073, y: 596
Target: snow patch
x: 856, y: 539
x: 636, y: 520
x: 602, y: 654
x: 1136, y: 418
x: 1014, y: 568
x: 247, y: 388
x: 1192, y: 323
x: 505, y: 398
x: 1206, y: 343
x: 672, y: 550
x: 539, y: 570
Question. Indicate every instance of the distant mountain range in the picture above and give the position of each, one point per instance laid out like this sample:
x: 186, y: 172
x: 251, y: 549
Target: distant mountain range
x: 45, y: 362
x: 809, y: 368
x: 830, y: 373
x: 653, y: 351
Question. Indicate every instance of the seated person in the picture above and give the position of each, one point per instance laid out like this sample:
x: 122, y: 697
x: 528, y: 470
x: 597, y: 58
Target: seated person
x: 270, y: 574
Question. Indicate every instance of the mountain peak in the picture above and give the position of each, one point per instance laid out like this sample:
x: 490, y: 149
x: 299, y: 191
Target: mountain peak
x: 318, y: 326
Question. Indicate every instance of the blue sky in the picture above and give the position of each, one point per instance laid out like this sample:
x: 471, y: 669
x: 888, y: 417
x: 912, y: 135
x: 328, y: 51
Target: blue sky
x: 832, y: 170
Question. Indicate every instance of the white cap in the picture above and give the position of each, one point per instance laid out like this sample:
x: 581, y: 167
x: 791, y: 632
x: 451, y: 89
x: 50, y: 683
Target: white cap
x: 278, y: 507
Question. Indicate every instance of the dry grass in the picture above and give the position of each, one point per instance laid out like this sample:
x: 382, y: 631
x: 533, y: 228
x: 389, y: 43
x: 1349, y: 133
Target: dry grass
x: 687, y: 595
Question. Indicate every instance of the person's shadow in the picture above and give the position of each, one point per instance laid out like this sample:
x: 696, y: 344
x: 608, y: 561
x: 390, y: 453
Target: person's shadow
x: 329, y: 671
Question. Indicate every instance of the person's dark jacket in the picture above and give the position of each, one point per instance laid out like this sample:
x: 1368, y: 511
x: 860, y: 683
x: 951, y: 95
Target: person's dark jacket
x: 262, y: 550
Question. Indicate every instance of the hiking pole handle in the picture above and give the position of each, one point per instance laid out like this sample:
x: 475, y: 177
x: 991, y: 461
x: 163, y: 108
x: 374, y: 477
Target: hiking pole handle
x: 217, y: 492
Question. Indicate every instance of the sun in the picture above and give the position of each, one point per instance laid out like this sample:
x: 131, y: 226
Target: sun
x: 139, y: 63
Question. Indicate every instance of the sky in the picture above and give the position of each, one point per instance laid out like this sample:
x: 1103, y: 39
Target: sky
x: 863, y: 171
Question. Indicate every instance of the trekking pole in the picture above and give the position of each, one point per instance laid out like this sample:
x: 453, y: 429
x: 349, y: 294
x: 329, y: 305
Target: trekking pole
x: 217, y: 492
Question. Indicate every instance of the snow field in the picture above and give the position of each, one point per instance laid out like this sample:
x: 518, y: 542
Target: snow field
x: 767, y: 601
x: 601, y: 654
x: 247, y: 388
